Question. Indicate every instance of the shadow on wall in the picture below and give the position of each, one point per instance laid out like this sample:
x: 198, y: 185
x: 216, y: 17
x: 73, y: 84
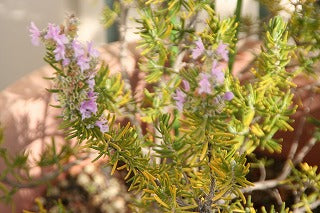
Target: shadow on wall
x: 29, y: 123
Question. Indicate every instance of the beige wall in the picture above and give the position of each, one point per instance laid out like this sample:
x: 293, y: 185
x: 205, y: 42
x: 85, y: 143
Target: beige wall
x: 17, y: 56
x: 227, y: 7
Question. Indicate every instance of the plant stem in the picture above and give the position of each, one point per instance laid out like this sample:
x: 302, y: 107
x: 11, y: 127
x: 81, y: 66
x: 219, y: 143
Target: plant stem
x: 294, y: 147
x: 237, y: 13
x: 123, y: 55
x: 312, y: 206
x: 45, y: 178
x: 123, y: 43
x: 268, y: 184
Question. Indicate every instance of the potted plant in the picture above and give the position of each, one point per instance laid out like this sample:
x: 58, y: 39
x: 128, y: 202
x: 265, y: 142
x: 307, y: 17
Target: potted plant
x: 195, y: 138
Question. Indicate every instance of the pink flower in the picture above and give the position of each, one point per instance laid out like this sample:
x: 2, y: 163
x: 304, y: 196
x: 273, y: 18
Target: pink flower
x: 35, y: 34
x: 89, y: 106
x: 205, y: 86
x: 62, y: 39
x: 222, y: 51
x: 83, y: 63
x: 92, y: 51
x: 77, y: 48
x: 54, y: 34
x: 180, y: 99
x: 198, y: 50
x: 186, y: 85
x: 60, y: 52
x: 66, y: 62
x: 228, y: 96
x: 102, y: 124
x: 53, y: 31
x: 91, y: 82
x: 92, y: 95
x: 217, y: 72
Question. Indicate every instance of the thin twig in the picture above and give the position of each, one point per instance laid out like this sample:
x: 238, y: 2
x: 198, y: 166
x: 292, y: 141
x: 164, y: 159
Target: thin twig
x: 262, y: 170
x: 311, y: 206
x: 304, y: 151
x: 123, y: 43
x: 237, y: 14
x: 193, y: 21
x: 44, y: 179
x: 178, y: 63
x: 293, y: 157
x: 205, y: 206
x: 287, y: 168
x: 262, y: 185
x: 123, y: 55
x: 277, y: 196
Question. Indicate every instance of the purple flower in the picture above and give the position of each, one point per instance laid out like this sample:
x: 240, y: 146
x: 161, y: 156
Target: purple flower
x: 83, y: 63
x: 92, y: 94
x: 217, y: 72
x: 77, y: 48
x: 54, y: 33
x: 91, y: 82
x: 102, y: 124
x: 62, y: 39
x: 35, y: 34
x: 198, y: 50
x: 92, y: 51
x: 228, y: 96
x: 66, y: 62
x: 89, y: 106
x: 60, y: 52
x: 222, y: 51
x: 205, y: 86
x: 180, y: 99
x: 186, y: 85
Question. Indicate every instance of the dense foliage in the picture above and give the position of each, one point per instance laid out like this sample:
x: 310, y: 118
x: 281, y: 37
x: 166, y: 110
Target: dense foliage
x: 203, y: 123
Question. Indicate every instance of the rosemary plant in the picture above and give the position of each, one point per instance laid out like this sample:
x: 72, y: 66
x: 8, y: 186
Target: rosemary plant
x: 203, y: 123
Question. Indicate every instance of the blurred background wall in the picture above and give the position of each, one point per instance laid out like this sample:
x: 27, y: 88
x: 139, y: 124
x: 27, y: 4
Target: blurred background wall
x: 18, y: 57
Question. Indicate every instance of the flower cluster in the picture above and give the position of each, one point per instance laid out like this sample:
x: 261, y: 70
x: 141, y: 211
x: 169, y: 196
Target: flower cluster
x: 180, y: 97
x: 199, y: 50
x: 77, y: 64
x: 207, y: 82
